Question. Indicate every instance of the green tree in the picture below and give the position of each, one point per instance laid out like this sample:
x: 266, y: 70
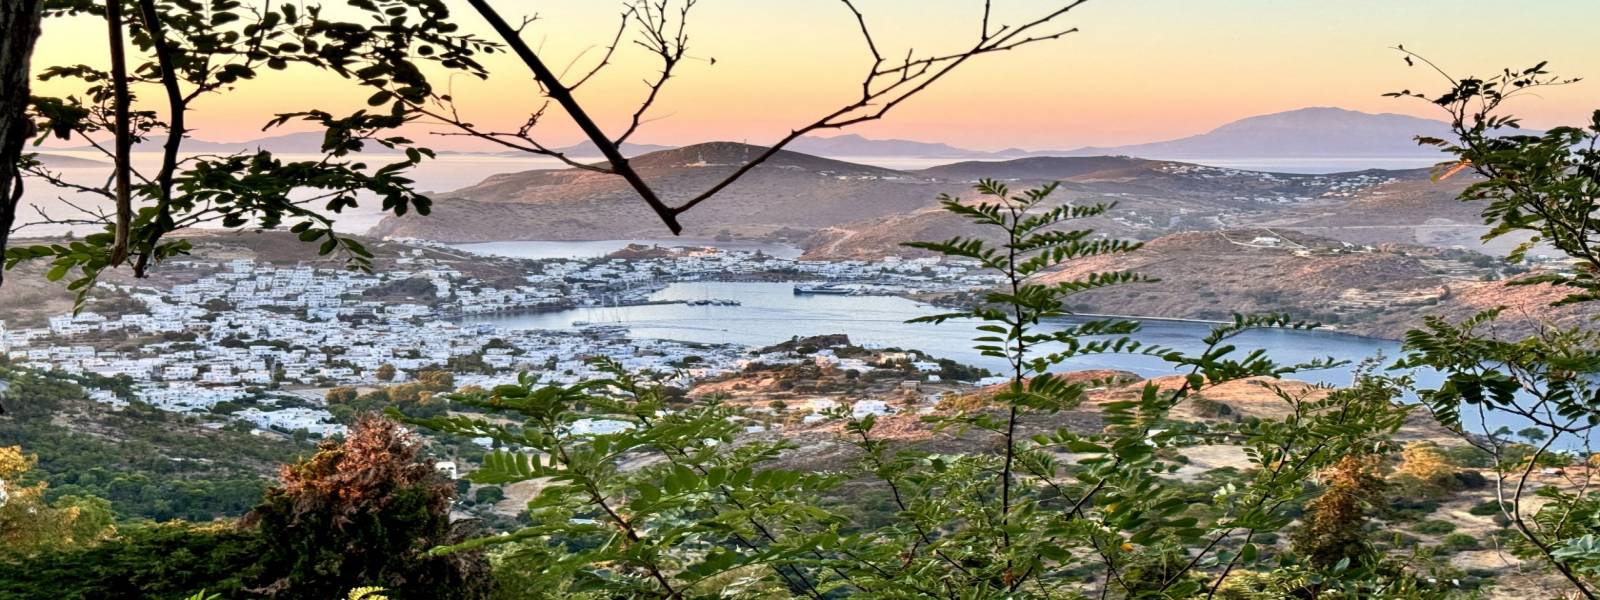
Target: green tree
x: 142, y: 560
x: 29, y: 524
x: 1533, y: 435
x: 385, y: 372
x: 340, y: 395
x: 182, y: 54
x: 1545, y: 186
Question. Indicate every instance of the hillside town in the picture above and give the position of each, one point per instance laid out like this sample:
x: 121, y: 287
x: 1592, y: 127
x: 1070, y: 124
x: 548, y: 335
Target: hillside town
x: 266, y: 341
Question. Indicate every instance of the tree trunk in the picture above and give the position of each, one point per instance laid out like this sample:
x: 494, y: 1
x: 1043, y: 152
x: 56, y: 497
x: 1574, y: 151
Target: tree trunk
x: 19, y: 29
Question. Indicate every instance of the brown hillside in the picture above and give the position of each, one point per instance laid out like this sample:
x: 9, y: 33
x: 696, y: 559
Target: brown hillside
x: 791, y: 190
x: 1381, y: 291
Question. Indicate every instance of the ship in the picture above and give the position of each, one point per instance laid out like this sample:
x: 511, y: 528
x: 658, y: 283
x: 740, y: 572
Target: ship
x: 826, y: 288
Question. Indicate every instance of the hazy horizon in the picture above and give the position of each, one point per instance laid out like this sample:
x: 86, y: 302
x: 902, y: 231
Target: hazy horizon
x: 1130, y: 75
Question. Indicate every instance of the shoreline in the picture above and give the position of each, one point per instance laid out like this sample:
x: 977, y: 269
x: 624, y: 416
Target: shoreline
x: 757, y: 279
x: 1322, y: 329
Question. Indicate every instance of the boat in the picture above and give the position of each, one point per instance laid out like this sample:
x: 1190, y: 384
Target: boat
x: 826, y: 288
x: 580, y: 323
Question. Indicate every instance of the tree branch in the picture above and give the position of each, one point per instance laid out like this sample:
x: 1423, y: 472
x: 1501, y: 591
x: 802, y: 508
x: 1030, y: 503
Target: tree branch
x: 882, y: 88
x: 123, y: 139
x: 176, y: 105
x: 19, y: 19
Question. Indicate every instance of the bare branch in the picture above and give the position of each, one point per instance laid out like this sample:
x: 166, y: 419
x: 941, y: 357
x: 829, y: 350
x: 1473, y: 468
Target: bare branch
x: 526, y: 21
x: 56, y: 180
x: 884, y: 86
x: 610, y: 50
x: 563, y: 96
x: 521, y: 140
x: 669, y: 49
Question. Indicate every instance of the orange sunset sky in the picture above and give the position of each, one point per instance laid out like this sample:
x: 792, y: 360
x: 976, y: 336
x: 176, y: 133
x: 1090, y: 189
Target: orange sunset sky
x: 1139, y: 70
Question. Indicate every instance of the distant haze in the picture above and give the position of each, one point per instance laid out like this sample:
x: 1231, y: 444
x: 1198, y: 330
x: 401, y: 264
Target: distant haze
x: 1134, y: 72
x: 1307, y: 132
x: 1318, y: 139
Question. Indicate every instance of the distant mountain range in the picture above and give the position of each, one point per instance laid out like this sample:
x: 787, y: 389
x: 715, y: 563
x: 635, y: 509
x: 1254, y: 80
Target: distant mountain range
x: 587, y: 148
x: 309, y: 142
x: 851, y: 145
x: 1307, y: 133
x: 1304, y: 133
x: 800, y: 194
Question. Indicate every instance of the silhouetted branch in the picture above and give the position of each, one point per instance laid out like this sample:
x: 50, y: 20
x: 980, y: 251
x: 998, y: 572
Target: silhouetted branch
x: 96, y: 218
x: 520, y: 140
x: 20, y: 21
x: 121, y: 102
x: 611, y: 49
x: 563, y: 96
x: 883, y: 87
x: 669, y: 49
x: 52, y: 178
x: 177, y: 105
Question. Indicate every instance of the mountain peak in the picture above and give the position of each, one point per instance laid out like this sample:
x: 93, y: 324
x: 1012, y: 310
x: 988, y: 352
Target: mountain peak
x: 1314, y: 119
x: 734, y: 154
x: 704, y: 154
x: 1302, y: 133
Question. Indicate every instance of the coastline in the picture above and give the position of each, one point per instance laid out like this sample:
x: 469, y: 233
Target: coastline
x: 1322, y: 329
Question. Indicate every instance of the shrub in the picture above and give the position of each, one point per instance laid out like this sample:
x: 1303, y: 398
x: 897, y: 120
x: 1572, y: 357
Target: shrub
x: 1332, y: 531
x: 1457, y: 542
x: 1471, y: 480
x: 145, y: 561
x: 1424, y: 472
x: 1470, y: 457
x: 1435, y: 527
x: 488, y: 495
x: 1211, y: 409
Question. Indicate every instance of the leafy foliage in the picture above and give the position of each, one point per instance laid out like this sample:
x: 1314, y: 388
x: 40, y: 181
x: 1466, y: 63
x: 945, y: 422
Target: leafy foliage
x: 29, y: 524
x: 194, y: 50
x: 640, y: 498
x: 1545, y: 185
x: 169, y: 560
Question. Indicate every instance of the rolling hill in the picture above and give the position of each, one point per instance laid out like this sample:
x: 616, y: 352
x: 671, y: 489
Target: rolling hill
x: 791, y: 191
x: 795, y: 192
x: 1379, y: 291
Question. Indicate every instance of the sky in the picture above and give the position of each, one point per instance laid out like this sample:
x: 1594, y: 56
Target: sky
x: 1136, y: 71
